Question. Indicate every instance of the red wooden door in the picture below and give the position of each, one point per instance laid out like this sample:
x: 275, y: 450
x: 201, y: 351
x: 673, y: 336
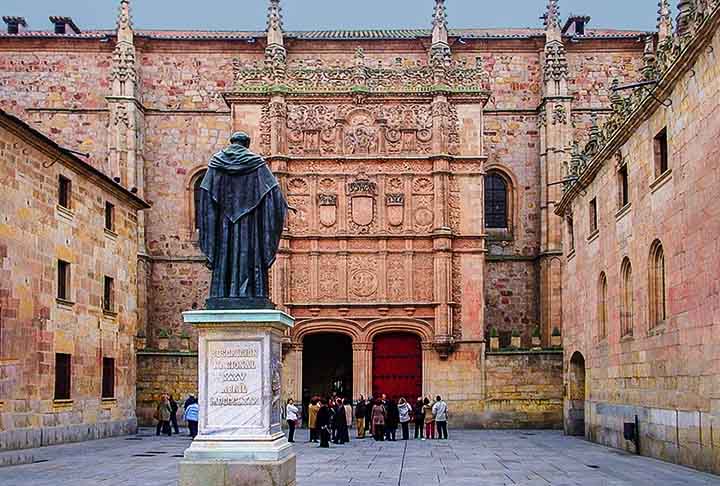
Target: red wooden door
x: 397, y: 366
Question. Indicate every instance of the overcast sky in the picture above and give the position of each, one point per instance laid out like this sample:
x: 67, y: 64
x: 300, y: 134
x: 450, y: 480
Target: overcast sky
x: 328, y: 14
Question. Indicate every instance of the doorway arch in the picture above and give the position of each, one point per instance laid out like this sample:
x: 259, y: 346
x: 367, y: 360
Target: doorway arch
x: 575, y: 417
x: 397, y: 365
x: 327, y: 365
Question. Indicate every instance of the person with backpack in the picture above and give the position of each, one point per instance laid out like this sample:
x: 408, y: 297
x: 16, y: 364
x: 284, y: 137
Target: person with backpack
x: 405, y: 415
x: 419, y: 417
x: 192, y: 415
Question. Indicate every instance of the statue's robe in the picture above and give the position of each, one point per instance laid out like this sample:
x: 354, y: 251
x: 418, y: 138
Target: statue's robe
x: 241, y: 217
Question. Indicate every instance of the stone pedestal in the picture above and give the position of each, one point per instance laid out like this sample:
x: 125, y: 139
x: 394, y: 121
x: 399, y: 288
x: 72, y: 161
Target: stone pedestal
x: 239, y: 440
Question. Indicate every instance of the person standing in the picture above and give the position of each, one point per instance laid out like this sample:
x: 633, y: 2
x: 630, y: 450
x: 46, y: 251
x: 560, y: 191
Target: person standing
x: 348, y: 418
x: 404, y: 412
x: 192, y: 415
x: 162, y: 415
x: 173, y: 414
x: 369, y: 404
x: 419, y: 417
x: 291, y: 415
x: 378, y: 420
x: 323, y: 423
x: 440, y: 411
x: 429, y: 420
x: 392, y: 419
x: 340, y: 421
x: 312, y: 419
x: 360, y: 412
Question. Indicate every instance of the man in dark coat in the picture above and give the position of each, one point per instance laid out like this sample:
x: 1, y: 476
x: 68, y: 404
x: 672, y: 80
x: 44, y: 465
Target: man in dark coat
x: 241, y: 216
x: 323, y: 423
x: 341, y: 429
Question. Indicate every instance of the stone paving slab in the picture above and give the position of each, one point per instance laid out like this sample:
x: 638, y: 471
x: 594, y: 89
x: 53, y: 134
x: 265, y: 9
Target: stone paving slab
x: 477, y: 458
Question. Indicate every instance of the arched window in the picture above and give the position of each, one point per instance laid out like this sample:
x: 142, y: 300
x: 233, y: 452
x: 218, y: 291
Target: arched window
x: 656, y: 284
x: 602, y: 307
x: 496, y: 201
x: 197, y: 181
x: 626, y: 309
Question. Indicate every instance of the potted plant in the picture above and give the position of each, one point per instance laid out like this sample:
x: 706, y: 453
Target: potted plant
x: 536, y: 344
x: 140, y: 340
x: 494, y: 339
x: 185, y: 341
x: 163, y: 339
x: 556, y: 338
x: 515, y: 339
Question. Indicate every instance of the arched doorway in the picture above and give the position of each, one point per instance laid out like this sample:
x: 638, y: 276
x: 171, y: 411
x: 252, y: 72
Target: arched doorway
x: 327, y: 366
x: 575, y: 421
x: 397, y: 365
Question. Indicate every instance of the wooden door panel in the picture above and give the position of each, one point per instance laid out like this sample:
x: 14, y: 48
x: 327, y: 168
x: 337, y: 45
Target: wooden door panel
x: 397, y: 366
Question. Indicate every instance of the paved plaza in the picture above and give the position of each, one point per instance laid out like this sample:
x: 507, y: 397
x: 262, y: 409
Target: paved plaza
x: 475, y: 458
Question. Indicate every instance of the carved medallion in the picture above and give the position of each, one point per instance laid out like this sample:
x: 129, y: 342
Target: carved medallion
x: 363, y: 282
x: 395, y: 204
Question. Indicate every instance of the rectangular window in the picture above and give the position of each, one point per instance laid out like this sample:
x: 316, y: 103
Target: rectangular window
x: 62, y: 376
x: 64, y: 192
x: 108, y: 378
x: 623, y: 190
x: 109, y: 216
x: 63, y: 280
x: 593, y: 216
x: 109, y: 294
x: 660, y: 146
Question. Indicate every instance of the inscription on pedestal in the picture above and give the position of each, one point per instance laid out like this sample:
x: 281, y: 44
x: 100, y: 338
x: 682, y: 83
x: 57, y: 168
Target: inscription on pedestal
x: 234, y: 385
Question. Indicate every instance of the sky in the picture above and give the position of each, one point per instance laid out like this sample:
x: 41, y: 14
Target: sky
x: 329, y: 14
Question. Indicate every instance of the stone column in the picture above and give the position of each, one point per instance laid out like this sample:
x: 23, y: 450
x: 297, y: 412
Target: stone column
x: 239, y: 372
x: 362, y: 369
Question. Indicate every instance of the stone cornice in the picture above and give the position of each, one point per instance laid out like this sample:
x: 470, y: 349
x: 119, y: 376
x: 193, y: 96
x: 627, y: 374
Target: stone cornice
x: 644, y: 110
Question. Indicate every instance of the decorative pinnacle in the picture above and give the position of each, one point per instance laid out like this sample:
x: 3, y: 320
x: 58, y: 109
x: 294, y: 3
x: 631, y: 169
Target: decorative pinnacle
x: 552, y: 15
x: 439, y: 23
x: 274, y: 23
x: 664, y: 23
x: 124, y: 21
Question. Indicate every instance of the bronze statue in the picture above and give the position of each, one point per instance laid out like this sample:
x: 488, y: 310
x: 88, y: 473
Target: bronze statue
x: 241, y: 217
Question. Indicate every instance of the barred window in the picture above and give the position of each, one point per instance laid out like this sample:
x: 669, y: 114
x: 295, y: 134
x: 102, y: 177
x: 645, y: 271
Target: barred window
x: 496, y: 202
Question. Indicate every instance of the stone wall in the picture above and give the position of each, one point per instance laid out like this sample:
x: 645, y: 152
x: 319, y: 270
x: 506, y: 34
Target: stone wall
x: 35, y: 232
x: 524, y: 390
x: 164, y: 372
x: 665, y: 371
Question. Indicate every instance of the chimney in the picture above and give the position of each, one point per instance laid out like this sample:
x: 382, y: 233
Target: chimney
x: 575, y: 25
x: 62, y: 24
x: 14, y: 24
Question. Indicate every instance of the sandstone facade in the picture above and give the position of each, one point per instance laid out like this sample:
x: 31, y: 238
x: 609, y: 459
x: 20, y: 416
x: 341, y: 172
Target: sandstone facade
x: 382, y: 141
x: 641, y: 308
x: 35, y: 234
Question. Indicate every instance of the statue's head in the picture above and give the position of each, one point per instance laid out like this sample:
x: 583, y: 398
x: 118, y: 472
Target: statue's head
x: 241, y: 138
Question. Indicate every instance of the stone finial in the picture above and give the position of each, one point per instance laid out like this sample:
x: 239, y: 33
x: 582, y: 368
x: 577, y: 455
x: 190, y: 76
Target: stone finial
x: 649, y: 66
x: 686, y: 9
x: 124, y: 22
x: 439, y: 23
x: 275, y: 23
x: 664, y: 23
x: 552, y: 15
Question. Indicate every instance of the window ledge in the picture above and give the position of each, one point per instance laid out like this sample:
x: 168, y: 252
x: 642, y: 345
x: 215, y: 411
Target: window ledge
x: 499, y: 234
x: 64, y: 304
x: 623, y: 211
x: 110, y: 314
x: 66, y: 213
x: 110, y: 234
x: 592, y: 236
x: 60, y: 405
x: 661, y: 180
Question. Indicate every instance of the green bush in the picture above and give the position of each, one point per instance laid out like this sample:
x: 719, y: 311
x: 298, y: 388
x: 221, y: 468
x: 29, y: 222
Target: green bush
x: 556, y: 331
x: 493, y: 332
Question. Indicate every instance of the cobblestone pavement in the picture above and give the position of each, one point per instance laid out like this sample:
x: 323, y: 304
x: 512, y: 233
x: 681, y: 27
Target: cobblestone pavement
x: 475, y: 458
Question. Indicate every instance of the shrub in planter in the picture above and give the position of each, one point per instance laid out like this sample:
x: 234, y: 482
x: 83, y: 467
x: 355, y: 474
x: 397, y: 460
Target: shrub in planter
x: 494, y: 339
x: 556, y: 338
x: 536, y: 337
x: 185, y: 341
x: 163, y: 339
x: 140, y: 341
x: 515, y: 339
